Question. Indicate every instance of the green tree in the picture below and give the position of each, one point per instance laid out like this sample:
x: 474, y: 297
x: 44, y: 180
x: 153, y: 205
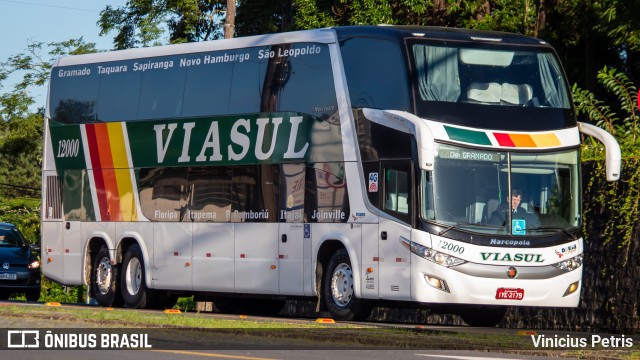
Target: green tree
x: 21, y: 128
x: 620, y: 118
x: 21, y: 133
x: 145, y: 22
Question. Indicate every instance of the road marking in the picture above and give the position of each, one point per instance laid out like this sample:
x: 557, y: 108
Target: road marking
x: 196, y: 353
x: 463, y: 357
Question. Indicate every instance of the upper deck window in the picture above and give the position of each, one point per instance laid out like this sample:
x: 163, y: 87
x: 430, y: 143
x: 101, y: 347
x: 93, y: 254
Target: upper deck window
x: 487, y: 76
x: 499, y: 86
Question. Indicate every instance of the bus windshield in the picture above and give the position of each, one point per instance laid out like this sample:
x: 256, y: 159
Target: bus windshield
x: 474, y: 190
x: 490, y: 86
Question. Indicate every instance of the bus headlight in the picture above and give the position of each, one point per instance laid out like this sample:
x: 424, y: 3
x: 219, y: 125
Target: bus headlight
x: 431, y: 255
x: 570, y: 264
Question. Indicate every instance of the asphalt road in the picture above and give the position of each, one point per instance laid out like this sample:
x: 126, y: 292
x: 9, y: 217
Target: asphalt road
x: 228, y: 345
x: 262, y: 355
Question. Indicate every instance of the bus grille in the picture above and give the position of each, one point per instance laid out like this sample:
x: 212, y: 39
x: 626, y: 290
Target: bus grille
x: 53, y: 201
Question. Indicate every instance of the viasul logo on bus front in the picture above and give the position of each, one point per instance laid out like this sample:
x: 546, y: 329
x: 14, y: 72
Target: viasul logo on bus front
x: 249, y: 139
x: 517, y: 257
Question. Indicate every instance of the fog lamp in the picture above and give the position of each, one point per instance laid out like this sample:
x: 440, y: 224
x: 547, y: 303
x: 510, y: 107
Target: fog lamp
x: 436, y: 283
x: 572, y: 288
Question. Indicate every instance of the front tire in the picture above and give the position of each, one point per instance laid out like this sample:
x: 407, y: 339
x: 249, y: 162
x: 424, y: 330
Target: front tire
x: 338, y: 290
x: 135, y: 293
x: 104, y: 280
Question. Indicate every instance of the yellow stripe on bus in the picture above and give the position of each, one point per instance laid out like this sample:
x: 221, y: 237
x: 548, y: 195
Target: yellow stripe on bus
x: 121, y: 164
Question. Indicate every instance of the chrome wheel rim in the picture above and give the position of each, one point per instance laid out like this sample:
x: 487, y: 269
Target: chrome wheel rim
x: 133, y: 276
x: 342, y: 285
x: 103, y: 275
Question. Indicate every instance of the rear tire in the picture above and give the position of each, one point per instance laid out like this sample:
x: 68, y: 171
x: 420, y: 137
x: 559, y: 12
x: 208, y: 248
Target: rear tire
x: 133, y: 286
x: 483, y: 316
x: 104, y: 280
x: 338, y: 290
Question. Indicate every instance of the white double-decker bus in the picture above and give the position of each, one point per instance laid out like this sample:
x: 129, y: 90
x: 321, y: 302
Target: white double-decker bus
x: 355, y: 166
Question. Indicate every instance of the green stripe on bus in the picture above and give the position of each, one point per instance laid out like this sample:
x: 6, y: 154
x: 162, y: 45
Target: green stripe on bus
x: 468, y: 136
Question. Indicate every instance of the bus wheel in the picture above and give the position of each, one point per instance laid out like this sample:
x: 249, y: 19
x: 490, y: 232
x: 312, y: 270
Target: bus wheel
x: 104, y: 284
x: 338, y: 290
x: 134, y: 289
x: 483, y: 316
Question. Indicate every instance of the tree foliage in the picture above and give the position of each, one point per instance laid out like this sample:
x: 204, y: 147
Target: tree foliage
x: 621, y: 118
x: 21, y: 128
x: 143, y: 22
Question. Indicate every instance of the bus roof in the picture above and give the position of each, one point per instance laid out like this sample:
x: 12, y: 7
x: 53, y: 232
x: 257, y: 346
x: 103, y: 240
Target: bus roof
x: 439, y: 33
x: 325, y: 35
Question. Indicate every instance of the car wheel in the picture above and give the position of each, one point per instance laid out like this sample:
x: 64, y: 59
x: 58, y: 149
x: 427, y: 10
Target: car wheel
x: 104, y: 280
x: 33, y: 295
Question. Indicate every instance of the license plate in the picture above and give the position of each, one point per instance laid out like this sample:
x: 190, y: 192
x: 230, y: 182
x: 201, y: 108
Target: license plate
x: 8, y: 276
x: 509, y: 294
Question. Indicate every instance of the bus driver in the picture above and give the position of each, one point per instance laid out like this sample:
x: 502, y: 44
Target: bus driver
x: 499, y: 217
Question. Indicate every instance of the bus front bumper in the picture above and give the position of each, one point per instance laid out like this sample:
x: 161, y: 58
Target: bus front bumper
x: 481, y: 284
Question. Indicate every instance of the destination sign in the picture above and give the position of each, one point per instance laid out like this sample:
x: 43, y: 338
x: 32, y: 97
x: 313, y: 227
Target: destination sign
x: 466, y: 154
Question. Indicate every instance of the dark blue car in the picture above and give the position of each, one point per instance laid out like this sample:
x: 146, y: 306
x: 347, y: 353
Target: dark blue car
x: 19, y: 264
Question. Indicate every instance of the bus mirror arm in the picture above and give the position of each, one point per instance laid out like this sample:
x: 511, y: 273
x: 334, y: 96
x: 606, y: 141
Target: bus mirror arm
x: 612, y: 149
x: 425, y: 140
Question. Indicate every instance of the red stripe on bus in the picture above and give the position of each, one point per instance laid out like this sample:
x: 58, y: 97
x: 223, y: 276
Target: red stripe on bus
x: 504, y: 139
x: 97, y: 174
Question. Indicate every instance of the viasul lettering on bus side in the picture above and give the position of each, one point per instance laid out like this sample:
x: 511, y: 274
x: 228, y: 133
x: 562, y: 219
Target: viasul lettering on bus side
x: 222, y: 140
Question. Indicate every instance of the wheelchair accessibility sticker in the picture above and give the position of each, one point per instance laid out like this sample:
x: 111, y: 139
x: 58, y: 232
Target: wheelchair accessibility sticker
x: 519, y: 226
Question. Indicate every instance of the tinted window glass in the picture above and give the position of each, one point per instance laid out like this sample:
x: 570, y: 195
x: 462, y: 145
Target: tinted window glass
x: 380, y: 142
x: 301, y: 79
x: 162, y: 88
x: 376, y: 74
x: 292, y: 193
x: 397, y: 188
x: 246, y: 85
x: 163, y: 193
x: 327, y: 199
x: 119, y: 92
x: 207, y: 88
x: 255, y: 193
x: 74, y: 90
x: 76, y: 196
x: 210, y: 193
x: 10, y: 238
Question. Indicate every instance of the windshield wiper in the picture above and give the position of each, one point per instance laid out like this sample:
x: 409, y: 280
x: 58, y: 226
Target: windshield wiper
x: 551, y: 228
x: 449, y: 228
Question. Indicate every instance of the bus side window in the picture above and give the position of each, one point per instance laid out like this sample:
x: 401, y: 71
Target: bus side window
x: 397, y: 189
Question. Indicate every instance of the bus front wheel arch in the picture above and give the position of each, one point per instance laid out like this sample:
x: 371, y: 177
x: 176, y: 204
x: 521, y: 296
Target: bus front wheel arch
x: 338, y: 290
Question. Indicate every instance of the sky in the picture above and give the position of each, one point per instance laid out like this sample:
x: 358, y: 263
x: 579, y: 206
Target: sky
x: 50, y: 21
